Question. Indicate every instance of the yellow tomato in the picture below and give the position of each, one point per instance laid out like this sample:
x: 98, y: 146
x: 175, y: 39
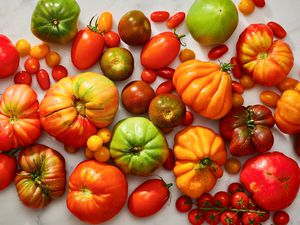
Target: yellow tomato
x: 88, y: 153
x: 70, y: 149
x: 237, y: 100
x: 105, y: 134
x: 23, y: 47
x: 52, y: 59
x: 246, y: 6
x: 102, y: 155
x: 105, y: 22
x: 94, y: 143
x: 39, y: 51
x: 186, y: 54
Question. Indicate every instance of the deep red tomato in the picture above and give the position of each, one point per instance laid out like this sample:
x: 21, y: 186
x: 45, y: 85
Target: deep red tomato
x: 217, y: 52
x: 250, y: 218
x: 149, y: 76
x: 239, y: 200
x: 148, y: 198
x: 166, y: 72
x: 281, y: 218
x: 160, y: 50
x: 264, y: 216
x: 59, y: 72
x: 259, y: 3
x: 43, y: 79
x: 230, y: 218
x: 251, y: 204
x: 32, y: 65
x: 221, y: 199
x: 188, y: 119
x: 111, y: 39
x: 196, y: 217
x: 235, y: 187
x: 159, y: 16
x: 8, y: 169
x: 236, y: 70
x: 184, y: 203
x: 237, y: 87
x: 213, y: 217
x: 175, y: 20
x: 165, y: 87
x: 23, y: 77
x: 277, y: 29
x: 170, y: 162
x: 205, y: 200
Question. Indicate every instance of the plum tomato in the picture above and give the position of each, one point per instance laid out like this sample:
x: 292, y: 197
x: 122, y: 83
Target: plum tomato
x: 175, y: 20
x: 269, y: 98
x: 59, y: 72
x: 23, y: 77
x: 235, y: 187
x: 205, y: 200
x: 217, y: 52
x: 196, y: 217
x: 184, y: 204
x: 166, y: 72
x: 8, y: 169
x: 165, y: 87
x: 237, y: 87
x: 221, y: 199
x: 32, y: 65
x: 43, y: 79
x: 159, y: 16
x: 188, y: 119
x: 105, y: 22
x: 277, y: 29
x: 236, y: 70
x: 239, y: 200
x: 281, y: 218
x: 287, y: 84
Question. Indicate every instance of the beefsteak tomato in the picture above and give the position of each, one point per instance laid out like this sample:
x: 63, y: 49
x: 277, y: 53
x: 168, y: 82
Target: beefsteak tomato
x: 267, y: 61
x: 75, y: 107
x: 42, y: 176
x: 97, y: 191
x: 19, y: 118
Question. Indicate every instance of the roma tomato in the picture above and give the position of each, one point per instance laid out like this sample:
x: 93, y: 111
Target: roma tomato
x: 166, y: 72
x: 165, y: 87
x: 43, y: 79
x: 23, y: 77
x: 175, y: 20
x: 160, y: 50
x: 236, y: 69
x: 59, y: 72
x: 111, y: 39
x: 287, y: 83
x: 32, y: 65
x: 159, y: 16
x: 148, y: 198
x: 8, y: 169
x: 217, y: 52
x: 188, y: 119
x: 184, y: 203
x: 277, y: 29
x: 237, y: 87
x: 269, y: 98
x: 170, y: 162
x: 104, y: 22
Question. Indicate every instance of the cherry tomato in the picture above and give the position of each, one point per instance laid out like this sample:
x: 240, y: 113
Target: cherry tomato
x: 175, y: 20
x: 23, y: 77
x: 165, y: 87
x: 186, y: 54
x: 148, y: 76
x: 251, y: 204
x: 105, y: 22
x: 236, y: 70
x: 196, y: 217
x: 59, y: 72
x: 105, y: 134
x: 205, y: 201
x: 88, y: 153
x: 232, y: 166
x: 277, y: 29
x: 237, y: 87
x: 165, y: 72
x: 213, y: 217
x: 297, y: 144
x: 159, y: 16
x: 286, y: 84
x: 247, y: 82
x: 216, y: 170
x: 43, y: 79
x: 246, y: 7
x: 8, y: 169
x: 217, y: 52
x: 250, y: 218
x: 184, y: 203
x: 264, y: 216
x: 237, y: 100
x: 23, y: 47
x: 235, y: 187
x: 221, y: 199
x: 269, y: 98
x: 32, y: 65
x: 70, y: 149
x: 239, y: 200
x: 52, y: 59
x: 39, y: 51
x: 188, y: 119
x: 111, y: 39
x: 229, y: 218
x: 94, y: 143
x: 148, y: 198
x: 259, y: 3
x: 281, y: 218
x: 102, y: 155
x: 170, y: 162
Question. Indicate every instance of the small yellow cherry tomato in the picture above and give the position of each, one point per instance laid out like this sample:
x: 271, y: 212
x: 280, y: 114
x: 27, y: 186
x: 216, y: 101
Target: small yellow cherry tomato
x: 105, y: 22
x: 88, y: 153
x: 232, y: 166
x: 102, y: 155
x: 246, y: 7
x: 70, y: 149
x: 186, y: 54
x: 269, y: 98
x: 247, y: 82
x: 237, y: 100
x: 23, y: 47
x: 105, y: 134
x: 94, y: 143
x: 52, y: 59
x: 39, y: 51
x: 286, y: 84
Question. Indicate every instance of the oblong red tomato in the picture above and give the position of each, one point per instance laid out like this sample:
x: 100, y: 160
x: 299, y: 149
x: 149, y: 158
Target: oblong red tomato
x: 217, y: 52
x: 159, y: 16
x: 8, y: 169
x: 148, y: 198
x: 175, y: 20
x: 160, y: 50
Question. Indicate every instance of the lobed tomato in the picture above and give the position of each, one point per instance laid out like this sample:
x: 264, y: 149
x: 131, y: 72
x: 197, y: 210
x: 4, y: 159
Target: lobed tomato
x: 8, y: 169
x: 175, y: 20
x: 43, y: 79
x: 159, y: 16
x: 184, y: 203
x: 23, y: 77
x: 59, y: 72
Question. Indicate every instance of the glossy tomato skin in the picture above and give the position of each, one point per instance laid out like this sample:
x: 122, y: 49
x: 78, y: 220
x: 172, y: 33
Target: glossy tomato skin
x: 8, y: 169
x: 43, y: 79
x: 87, y: 48
x: 160, y: 51
x: 148, y: 198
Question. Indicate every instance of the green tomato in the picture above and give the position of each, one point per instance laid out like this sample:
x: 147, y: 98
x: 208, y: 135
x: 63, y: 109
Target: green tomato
x: 137, y: 146
x: 212, y: 22
x: 55, y: 20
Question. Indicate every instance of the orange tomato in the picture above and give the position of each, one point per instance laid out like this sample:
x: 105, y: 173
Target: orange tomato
x: 105, y: 22
x: 269, y: 98
x: 94, y: 143
x: 52, y: 59
x: 237, y: 100
x: 102, y: 155
x: 246, y: 7
x: 286, y: 84
x: 232, y: 166
x: 105, y: 134
x: 39, y: 51
x: 88, y: 153
x: 186, y: 54
x: 70, y: 149
x: 247, y: 82
x: 23, y: 47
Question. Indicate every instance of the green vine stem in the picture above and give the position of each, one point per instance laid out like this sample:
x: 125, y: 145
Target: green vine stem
x: 94, y: 27
x: 226, y: 67
x: 180, y: 36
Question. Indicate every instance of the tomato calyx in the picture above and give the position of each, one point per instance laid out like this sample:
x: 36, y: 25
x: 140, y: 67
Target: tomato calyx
x: 250, y: 121
x: 206, y: 162
x: 94, y: 27
x: 135, y: 150
x: 226, y: 67
x: 55, y: 22
x: 262, y: 55
x: 12, y: 152
x: 80, y: 107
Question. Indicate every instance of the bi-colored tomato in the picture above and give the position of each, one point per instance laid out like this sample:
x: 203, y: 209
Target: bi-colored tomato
x: 217, y: 52
x: 59, y: 72
x: 175, y: 20
x: 23, y: 77
x: 277, y: 29
x: 32, y: 65
x: 43, y: 79
x: 8, y: 169
x: 105, y: 22
x: 159, y: 16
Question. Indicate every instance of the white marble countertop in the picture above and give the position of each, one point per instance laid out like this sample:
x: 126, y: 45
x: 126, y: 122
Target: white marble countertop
x: 15, y: 23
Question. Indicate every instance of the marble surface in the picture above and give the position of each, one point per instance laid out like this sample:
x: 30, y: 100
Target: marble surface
x: 15, y: 23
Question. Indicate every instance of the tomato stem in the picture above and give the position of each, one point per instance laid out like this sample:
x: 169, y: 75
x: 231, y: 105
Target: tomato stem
x: 180, y: 36
x: 13, y: 151
x: 226, y: 67
x: 95, y: 27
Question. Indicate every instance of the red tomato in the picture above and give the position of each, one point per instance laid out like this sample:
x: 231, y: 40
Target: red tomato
x: 148, y: 76
x: 264, y: 216
x: 251, y: 204
x: 43, y: 79
x: 237, y: 87
x: 277, y: 29
x: 250, y: 218
x: 196, y: 217
x: 235, y: 187
x: 148, y: 198
x: 213, y: 217
x: 166, y: 72
x: 111, y: 39
x: 217, y: 52
x: 281, y: 218
x: 175, y: 20
x: 236, y: 70
x: 188, y: 119
x: 165, y: 87
x: 230, y: 218
x: 32, y: 65
x: 23, y: 77
x: 159, y: 16
x: 221, y: 199
x: 8, y: 169
x: 160, y: 50
x: 170, y: 162
x: 9, y: 57
x: 59, y: 72
x: 259, y: 3
x: 205, y: 201
x: 239, y: 200
x: 184, y: 203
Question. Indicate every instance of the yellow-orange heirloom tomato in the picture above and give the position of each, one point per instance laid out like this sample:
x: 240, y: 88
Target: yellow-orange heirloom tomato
x: 287, y: 112
x: 205, y: 87
x: 199, y: 153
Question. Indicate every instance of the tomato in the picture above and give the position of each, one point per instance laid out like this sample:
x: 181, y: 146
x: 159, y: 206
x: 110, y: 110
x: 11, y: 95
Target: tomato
x: 205, y: 200
x: 160, y: 51
x: 281, y: 218
x: 251, y: 204
x: 186, y: 54
x: 236, y: 70
x: 149, y: 76
x: 88, y: 153
x: 269, y: 98
x: 188, y: 119
x: 43, y: 79
x: 94, y: 143
x: 23, y: 77
x: 148, y: 198
x: 235, y: 187
x: 277, y: 29
x: 32, y: 65
x: 175, y: 20
x: 232, y: 166
x: 104, y: 22
x: 217, y: 52
x: 39, y: 51
x: 165, y: 72
x: 111, y: 39
x: 87, y: 47
x: 237, y: 100
x: 221, y: 199
x: 52, y: 59
x: 184, y: 204
x: 237, y: 87
x: 250, y: 218
x: 102, y: 155
x: 59, y: 72
x: 196, y: 217
x: 239, y: 200
x: 230, y: 218
x: 159, y: 16
x: 259, y: 3
x: 286, y: 84
x: 213, y: 217
x: 264, y: 216
x: 297, y: 144
x: 165, y: 87
x: 246, y: 7
x: 70, y: 149
x: 170, y: 162
x: 105, y: 134
x: 247, y: 82
x: 8, y: 169
x: 23, y: 47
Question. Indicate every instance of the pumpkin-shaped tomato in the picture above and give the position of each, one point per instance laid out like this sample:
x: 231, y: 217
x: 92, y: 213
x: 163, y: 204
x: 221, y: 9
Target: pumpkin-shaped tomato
x: 75, y: 106
x: 199, y: 153
x: 97, y: 191
x: 42, y: 176
x: 287, y: 112
x: 268, y: 61
x: 205, y: 87
x: 19, y: 117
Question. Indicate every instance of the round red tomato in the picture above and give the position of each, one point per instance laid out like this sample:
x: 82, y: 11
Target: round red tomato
x: 230, y: 218
x: 111, y: 39
x: 250, y: 218
x: 213, y: 217
x: 205, y: 200
x: 196, y: 217
x: 184, y: 203
x: 148, y: 198
x: 8, y: 169
x: 239, y: 200
x: 170, y: 162
x: 281, y: 218
x: 32, y: 65
x: 221, y: 199
x: 235, y: 187
x: 59, y: 72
